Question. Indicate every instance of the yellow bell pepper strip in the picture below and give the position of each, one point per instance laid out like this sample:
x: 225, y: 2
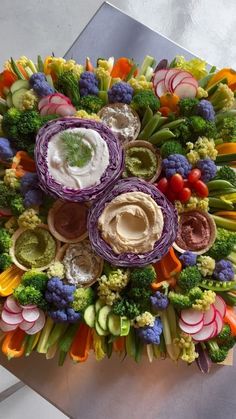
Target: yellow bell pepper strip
x: 98, y: 345
x: 9, y: 280
x: 81, y: 345
x: 224, y: 223
x: 13, y: 345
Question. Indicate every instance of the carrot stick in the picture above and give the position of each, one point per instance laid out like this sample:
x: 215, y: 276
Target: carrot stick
x: 230, y: 319
x: 121, y: 68
x: 81, y: 344
x: 226, y: 214
x: 119, y: 344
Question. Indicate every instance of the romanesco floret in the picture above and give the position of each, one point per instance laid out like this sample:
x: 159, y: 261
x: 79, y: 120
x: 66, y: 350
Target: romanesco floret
x: 202, y: 149
x: 185, y: 343
x: 206, y: 265
x: 10, y: 179
x: 29, y: 100
x: 140, y: 83
x: 29, y: 219
x: 203, y: 303
x: 56, y: 269
x: 222, y: 98
x: 83, y: 297
x: 145, y: 319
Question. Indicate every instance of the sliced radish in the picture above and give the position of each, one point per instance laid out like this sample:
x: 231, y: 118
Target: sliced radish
x: 66, y: 110
x: 11, y: 318
x: 190, y: 329
x: 40, y: 322
x: 63, y: 97
x: 5, y: 327
x: 12, y: 306
x: 190, y: 80
x: 57, y: 100
x: 220, y: 305
x: 44, y: 101
x: 160, y: 88
x: 26, y: 325
x: 185, y: 90
x: 30, y: 315
x: 158, y: 76
x: 52, y: 109
x: 44, y: 110
x: 209, y: 315
x: 214, y: 333
x: 29, y: 306
x: 191, y: 316
x: 219, y: 322
x: 205, y: 333
x: 178, y: 78
x: 172, y: 72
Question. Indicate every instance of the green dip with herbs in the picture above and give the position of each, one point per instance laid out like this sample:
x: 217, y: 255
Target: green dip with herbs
x: 35, y: 248
x: 140, y: 162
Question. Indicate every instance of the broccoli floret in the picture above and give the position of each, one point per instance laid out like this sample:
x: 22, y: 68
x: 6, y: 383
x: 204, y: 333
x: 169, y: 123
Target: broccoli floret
x: 10, y: 122
x: 171, y: 147
x: 216, y: 353
x: 126, y: 308
x: 226, y: 173
x: 225, y: 333
x: 227, y: 129
x: 188, y: 106
x: 10, y: 198
x: 91, y: 104
x: 143, y: 99
x: 83, y: 297
x: 67, y: 83
x: 224, y: 244
x: 36, y: 279
x: 179, y: 301
x: 189, y: 278
x: 17, y: 205
x: 29, y: 295
x: 193, y: 128
x: 5, y: 261
x: 142, y: 277
x: 5, y: 240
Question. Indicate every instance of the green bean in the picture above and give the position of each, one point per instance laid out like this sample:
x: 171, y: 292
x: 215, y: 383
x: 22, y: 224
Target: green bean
x: 147, y: 117
x: 160, y: 136
x: 149, y: 128
x: 218, y: 184
x: 173, y: 124
x: 161, y: 122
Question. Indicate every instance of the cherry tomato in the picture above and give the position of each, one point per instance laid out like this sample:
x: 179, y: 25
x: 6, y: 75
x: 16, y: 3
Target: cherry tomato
x: 162, y: 185
x: 187, y: 184
x: 194, y: 175
x: 171, y: 195
x: 184, y: 195
x: 201, y: 189
x: 176, y: 183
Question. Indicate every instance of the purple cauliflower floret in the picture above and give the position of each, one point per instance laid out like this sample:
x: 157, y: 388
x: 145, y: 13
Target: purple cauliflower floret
x: 59, y: 294
x: 39, y: 84
x: 176, y: 163
x: 33, y: 197
x: 28, y: 181
x: 120, y: 92
x: 208, y: 169
x: 205, y: 110
x: 224, y: 270
x: 88, y: 84
x: 150, y: 334
x: 6, y: 153
x: 67, y: 315
x: 159, y: 301
x: 188, y: 258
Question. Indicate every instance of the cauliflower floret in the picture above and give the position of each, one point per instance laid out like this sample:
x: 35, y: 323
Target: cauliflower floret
x: 56, y: 269
x: 145, y: 319
x: 206, y: 265
x: 29, y: 219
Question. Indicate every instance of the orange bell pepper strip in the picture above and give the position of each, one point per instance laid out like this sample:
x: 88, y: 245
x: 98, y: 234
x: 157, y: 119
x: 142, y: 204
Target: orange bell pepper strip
x: 226, y: 214
x: 226, y: 148
x: 81, y: 344
x: 165, y: 110
x: 7, y: 78
x: 23, y: 163
x: 9, y: 280
x: 122, y: 68
x: 224, y: 73
x: 169, y: 265
x: 13, y: 345
x: 230, y: 319
x: 119, y: 344
x: 170, y: 101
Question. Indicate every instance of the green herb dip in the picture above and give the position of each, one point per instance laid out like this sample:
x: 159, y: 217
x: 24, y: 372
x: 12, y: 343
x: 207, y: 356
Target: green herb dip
x: 35, y: 248
x: 140, y: 162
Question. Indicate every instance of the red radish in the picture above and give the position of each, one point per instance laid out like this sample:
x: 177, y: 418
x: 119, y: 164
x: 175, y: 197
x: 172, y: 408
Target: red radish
x: 158, y: 76
x: 209, y: 315
x: 219, y: 322
x: 185, y: 90
x: 63, y: 97
x: 215, y: 329
x: 44, y: 110
x: 44, y: 101
x: 30, y: 315
x: 178, y: 78
x: 190, y: 329
x: 191, y: 316
x: 169, y: 74
x: 5, y: 327
x: 12, y: 306
x: 205, y: 333
x: 26, y: 325
x: 66, y: 110
x: 52, y: 108
x: 190, y: 80
x: 29, y: 306
x: 38, y: 324
x: 11, y: 318
x: 58, y: 100
x: 160, y: 88
x: 220, y: 305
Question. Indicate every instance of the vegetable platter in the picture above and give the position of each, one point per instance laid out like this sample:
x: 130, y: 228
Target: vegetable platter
x: 118, y: 209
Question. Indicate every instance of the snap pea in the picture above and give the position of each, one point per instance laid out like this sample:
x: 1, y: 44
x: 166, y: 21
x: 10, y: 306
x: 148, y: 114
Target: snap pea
x: 218, y: 285
x: 161, y: 121
x: 214, y: 185
x: 219, y: 204
x: 147, y: 117
x: 160, y: 136
x: 173, y: 124
x: 149, y: 128
x: 222, y: 192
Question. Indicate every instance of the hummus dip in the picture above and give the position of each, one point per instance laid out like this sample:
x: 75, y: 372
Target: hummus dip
x: 196, y: 231
x: 82, y: 265
x: 77, y: 157
x: 131, y: 223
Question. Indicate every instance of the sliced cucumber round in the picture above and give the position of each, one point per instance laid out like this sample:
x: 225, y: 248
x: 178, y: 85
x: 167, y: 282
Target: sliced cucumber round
x: 18, y: 85
x: 102, y: 316
x: 90, y: 315
x: 114, y: 324
x: 100, y: 330
x: 98, y: 305
x: 17, y: 97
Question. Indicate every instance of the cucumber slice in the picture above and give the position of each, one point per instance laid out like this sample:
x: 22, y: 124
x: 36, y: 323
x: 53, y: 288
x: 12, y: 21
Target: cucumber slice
x: 102, y: 317
x: 98, y: 305
x: 125, y: 326
x: 100, y: 330
x: 17, y: 97
x: 114, y: 324
x: 9, y: 100
x: 90, y: 315
x: 18, y: 85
